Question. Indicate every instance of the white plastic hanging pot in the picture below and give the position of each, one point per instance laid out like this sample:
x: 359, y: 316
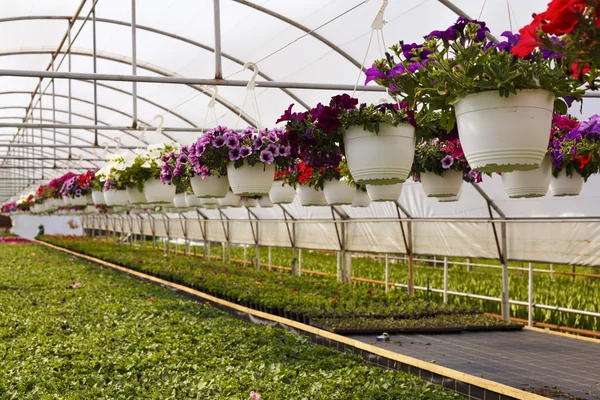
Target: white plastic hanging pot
x: 446, y: 185
x: 249, y: 180
x: 265, y: 202
x: 90, y: 210
x: 66, y: 201
x: 135, y: 196
x: 566, y: 185
x: 210, y: 204
x: 361, y: 199
x: 192, y: 200
x: 528, y: 184
x: 115, y: 197
x: 230, y: 200
x: 59, y: 203
x: 282, y: 193
x: 384, y: 192
x: 98, y: 198
x: 338, y: 192
x: 451, y: 199
x: 380, y: 159
x: 79, y: 201
x: 210, y: 187
x: 504, y: 134
x: 309, y: 196
x: 156, y: 192
x: 179, y: 200
x: 249, y: 202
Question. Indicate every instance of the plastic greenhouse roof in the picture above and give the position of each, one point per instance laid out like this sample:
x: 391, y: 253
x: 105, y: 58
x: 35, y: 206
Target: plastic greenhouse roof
x: 177, y: 38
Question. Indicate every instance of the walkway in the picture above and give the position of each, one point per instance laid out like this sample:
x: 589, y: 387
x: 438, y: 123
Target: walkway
x: 555, y: 366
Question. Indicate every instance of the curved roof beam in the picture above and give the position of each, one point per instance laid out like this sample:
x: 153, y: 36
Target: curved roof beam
x: 83, y: 101
x: 142, y: 65
x: 77, y: 115
x: 112, y: 139
x: 303, y: 28
x: 158, y: 32
x: 91, y: 152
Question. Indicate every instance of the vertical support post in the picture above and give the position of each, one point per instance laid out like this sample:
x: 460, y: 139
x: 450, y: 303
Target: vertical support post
x: 69, y: 82
x: 530, y: 297
x: 270, y: 262
x: 411, y: 267
x: 445, y: 280
x: 207, y: 247
x: 468, y: 264
x: 42, y: 163
x: 552, y: 272
x: 505, y: 288
x: 257, y: 247
x: 134, y: 61
x: 387, y: 273
x: 54, y: 116
x: 217, y: 24
x: 573, y: 273
x: 245, y: 254
x: 228, y: 242
x: 95, y: 71
x: 339, y: 266
x: 223, y: 252
x: 299, y: 262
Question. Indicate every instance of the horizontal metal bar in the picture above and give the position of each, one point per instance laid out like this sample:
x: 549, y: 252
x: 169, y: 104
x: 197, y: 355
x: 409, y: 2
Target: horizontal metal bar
x: 99, y: 127
x: 41, y: 167
x: 60, y: 146
x: 184, y: 81
x: 52, y: 158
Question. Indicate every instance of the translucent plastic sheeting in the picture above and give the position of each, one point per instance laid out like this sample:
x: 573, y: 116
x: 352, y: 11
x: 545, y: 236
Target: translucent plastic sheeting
x: 26, y: 226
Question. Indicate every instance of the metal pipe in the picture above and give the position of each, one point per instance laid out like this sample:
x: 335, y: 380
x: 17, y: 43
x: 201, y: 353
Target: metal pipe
x: 387, y: 273
x: 69, y: 90
x: 217, y: 23
x: 505, y: 284
x: 93, y: 127
x: 53, y: 111
x: 530, y: 297
x: 95, y: 68
x: 183, y: 81
x: 133, y: 60
x: 446, y: 280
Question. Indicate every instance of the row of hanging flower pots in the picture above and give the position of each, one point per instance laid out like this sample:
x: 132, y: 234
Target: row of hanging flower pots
x: 471, y: 106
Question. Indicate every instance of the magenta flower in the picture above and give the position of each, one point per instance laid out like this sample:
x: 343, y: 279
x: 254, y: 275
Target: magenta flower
x: 218, y: 141
x: 254, y: 396
x: 373, y: 73
x: 234, y: 154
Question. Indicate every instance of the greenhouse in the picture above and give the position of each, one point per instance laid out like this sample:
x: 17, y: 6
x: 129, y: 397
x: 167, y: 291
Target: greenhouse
x: 244, y: 199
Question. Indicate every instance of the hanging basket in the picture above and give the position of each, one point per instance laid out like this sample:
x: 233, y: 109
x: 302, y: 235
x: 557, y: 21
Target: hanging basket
x: 98, y: 198
x: 380, y: 159
x: 66, y: 201
x: 60, y: 203
x: 384, y: 192
x: 210, y: 187
x: 451, y: 199
x: 446, y: 185
x: 247, y: 180
x: 309, y: 196
x: 528, y: 184
x: 265, y: 202
x: 179, y: 200
x: 135, y: 196
x: 115, y: 198
x: 249, y: 202
x: 361, y: 199
x: 79, y: 201
x: 156, y: 192
x: 566, y: 185
x: 338, y: 192
x: 191, y: 200
x: 282, y: 193
x: 230, y: 200
x: 505, y: 134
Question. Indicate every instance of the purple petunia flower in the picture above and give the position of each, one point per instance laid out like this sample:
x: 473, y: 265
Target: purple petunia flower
x: 232, y: 142
x: 273, y: 148
x: 245, y: 151
x: 266, y: 156
x: 447, y: 161
x: 234, y: 154
x: 182, y: 159
x: 78, y: 192
x: 258, y: 143
x: 373, y: 73
x: 284, y: 150
x: 218, y: 142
